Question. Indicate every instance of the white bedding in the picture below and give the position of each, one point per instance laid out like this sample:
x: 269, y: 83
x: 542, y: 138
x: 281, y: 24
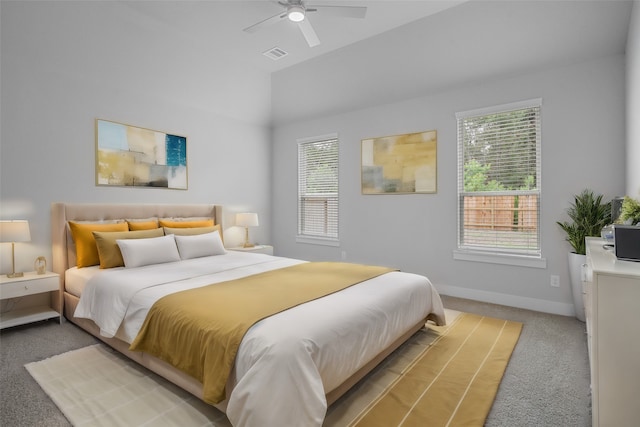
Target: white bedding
x: 288, y: 362
x: 75, y: 279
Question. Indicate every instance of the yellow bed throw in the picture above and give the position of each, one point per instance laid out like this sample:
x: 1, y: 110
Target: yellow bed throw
x: 199, y: 330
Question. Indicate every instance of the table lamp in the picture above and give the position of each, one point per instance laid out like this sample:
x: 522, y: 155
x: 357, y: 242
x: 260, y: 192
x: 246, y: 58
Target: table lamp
x: 247, y: 220
x: 14, y: 231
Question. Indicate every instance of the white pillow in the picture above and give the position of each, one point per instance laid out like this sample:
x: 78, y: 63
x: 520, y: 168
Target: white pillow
x: 154, y: 250
x: 200, y: 245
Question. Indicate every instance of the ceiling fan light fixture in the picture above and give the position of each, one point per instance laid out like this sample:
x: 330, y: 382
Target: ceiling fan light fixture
x: 295, y: 13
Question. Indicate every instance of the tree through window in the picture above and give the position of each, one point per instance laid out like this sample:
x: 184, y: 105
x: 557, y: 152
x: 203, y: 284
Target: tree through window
x: 499, y: 179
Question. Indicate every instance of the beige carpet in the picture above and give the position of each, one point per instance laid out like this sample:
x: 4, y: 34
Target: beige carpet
x: 441, y: 376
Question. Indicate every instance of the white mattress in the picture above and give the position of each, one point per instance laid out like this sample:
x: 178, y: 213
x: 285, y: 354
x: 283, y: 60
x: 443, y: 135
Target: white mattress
x: 298, y: 355
x: 75, y: 279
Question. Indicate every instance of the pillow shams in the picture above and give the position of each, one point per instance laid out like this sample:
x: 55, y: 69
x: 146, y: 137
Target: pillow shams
x: 190, y: 231
x: 156, y: 250
x: 108, y: 249
x: 86, y: 249
x: 200, y: 245
x: 142, y: 224
x: 178, y: 223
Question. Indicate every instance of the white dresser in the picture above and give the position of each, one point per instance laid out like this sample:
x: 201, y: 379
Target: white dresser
x: 612, y: 310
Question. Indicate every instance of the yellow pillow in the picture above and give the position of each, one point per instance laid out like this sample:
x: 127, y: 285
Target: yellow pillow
x: 142, y: 225
x: 108, y: 250
x: 192, y: 231
x: 86, y: 249
x: 186, y: 224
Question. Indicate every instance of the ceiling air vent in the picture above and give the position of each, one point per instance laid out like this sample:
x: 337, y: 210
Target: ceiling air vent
x: 275, y: 53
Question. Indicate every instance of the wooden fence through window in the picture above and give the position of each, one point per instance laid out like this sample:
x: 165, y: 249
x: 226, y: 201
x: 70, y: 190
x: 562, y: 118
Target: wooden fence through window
x: 505, y: 213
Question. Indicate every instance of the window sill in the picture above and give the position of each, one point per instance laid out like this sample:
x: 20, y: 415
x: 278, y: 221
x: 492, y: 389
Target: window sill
x: 317, y: 241
x: 493, y: 258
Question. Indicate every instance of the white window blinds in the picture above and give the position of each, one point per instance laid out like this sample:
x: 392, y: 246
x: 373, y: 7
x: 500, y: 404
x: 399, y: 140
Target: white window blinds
x: 318, y: 187
x: 499, y: 179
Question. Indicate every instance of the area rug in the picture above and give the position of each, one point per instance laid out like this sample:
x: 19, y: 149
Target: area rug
x: 441, y: 376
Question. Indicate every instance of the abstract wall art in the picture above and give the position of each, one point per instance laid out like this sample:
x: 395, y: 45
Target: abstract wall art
x: 131, y: 156
x: 400, y: 164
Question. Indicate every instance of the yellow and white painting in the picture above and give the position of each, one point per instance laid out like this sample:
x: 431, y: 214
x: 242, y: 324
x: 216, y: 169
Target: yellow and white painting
x: 400, y: 164
x: 133, y: 156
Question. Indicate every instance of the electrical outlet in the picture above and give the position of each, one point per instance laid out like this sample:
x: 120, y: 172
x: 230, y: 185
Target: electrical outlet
x: 555, y: 281
x: 344, y: 255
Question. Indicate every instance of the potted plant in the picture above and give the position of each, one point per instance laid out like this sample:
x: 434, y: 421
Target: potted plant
x: 630, y: 212
x: 588, y: 216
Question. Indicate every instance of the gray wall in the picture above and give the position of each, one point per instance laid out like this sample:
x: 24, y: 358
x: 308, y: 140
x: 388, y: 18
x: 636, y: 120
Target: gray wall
x: 64, y: 64
x: 582, y: 135
x: 633, y: 103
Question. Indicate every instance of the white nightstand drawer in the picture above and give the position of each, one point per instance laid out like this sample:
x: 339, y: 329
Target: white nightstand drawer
x: 30, y: 284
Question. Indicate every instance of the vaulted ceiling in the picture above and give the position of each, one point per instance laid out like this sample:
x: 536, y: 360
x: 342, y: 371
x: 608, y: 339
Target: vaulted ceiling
x: 399, y: 50
x: 218, y: 25
x: 474, y: 42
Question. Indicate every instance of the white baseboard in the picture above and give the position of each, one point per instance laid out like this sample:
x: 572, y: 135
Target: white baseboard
x: 534, y: 304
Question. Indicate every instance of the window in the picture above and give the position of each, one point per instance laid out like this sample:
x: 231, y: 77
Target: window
x: 499, y: 179
x: 318, y: 190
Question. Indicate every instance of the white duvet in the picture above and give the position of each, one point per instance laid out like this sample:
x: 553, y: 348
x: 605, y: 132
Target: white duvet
x: 288, y: 362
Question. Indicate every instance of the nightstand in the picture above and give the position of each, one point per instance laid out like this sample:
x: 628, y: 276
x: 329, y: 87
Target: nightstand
x: 257, y: 249
x: 30, y: 284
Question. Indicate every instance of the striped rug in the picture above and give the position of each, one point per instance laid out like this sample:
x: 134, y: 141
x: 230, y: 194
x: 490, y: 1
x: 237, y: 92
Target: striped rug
x: 444, y: 376
x: 441, y: 376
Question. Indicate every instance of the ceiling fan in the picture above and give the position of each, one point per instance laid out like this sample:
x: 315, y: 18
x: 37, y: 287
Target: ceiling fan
x: 296, y: 11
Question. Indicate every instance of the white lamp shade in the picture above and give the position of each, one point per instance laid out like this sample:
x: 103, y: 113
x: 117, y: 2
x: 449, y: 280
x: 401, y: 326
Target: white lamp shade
x: 247, y: 219
x: 14, y: 231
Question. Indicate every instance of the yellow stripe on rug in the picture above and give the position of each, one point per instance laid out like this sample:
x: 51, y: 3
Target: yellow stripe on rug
x: 453, y: 382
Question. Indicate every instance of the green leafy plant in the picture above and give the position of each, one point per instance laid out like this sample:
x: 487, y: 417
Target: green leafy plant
x: 588, y: 215
x: 630, y: 212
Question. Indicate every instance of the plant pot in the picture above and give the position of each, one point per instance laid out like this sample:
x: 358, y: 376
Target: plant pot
x: 576, y: 261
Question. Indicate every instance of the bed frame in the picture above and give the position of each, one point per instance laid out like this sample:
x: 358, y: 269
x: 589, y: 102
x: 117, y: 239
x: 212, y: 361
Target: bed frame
x: 64, y: 257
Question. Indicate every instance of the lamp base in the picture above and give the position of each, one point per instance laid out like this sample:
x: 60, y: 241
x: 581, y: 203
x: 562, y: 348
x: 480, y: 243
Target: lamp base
x: 13, y: 263
x: 246, y: 239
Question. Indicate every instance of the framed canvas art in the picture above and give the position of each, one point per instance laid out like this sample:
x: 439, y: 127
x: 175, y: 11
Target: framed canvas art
x: 131, y: 156
x: 400, y: 164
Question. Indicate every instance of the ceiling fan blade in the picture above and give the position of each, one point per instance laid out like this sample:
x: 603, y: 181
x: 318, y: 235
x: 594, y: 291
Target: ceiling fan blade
x: 309, y: 33
x: 265, y: 22
x: 343, y: 11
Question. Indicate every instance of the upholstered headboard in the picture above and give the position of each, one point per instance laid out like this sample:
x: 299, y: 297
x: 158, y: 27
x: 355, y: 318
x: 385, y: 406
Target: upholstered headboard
x: 63, y: 250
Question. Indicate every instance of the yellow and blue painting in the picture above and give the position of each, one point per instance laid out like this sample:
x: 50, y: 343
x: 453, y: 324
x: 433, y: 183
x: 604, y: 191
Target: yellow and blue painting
x: 131, y: 156
x: 400, y: 164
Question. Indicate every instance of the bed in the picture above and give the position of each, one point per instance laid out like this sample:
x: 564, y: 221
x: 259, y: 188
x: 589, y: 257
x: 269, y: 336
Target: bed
x: 307, y: 355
